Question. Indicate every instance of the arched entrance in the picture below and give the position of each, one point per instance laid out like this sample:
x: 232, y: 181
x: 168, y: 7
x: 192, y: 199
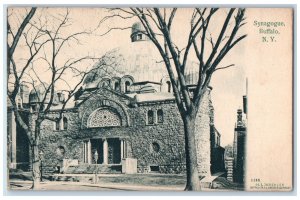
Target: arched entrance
x: 104, y: 150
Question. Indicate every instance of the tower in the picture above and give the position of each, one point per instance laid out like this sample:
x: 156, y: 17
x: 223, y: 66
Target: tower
x: 138, y: 33
x: 239, y: 145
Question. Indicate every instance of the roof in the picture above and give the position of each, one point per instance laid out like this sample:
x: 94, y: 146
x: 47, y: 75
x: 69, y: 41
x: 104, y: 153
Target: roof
x: 141, y: 60
x: 149, y: 97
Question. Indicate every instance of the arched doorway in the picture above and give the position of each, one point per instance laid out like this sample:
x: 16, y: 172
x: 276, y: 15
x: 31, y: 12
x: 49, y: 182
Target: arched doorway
x: 106, y: 150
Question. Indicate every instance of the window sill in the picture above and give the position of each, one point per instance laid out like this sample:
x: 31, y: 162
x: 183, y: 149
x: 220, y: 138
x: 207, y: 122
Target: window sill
x: 150, y: 124
x: 155, y: 124
x: 59, y: 130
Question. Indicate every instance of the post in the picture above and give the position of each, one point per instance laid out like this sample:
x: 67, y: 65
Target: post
x: 96, y: 170
x: 41, y: 171
x: 105, y: 151
x: 41, y: 165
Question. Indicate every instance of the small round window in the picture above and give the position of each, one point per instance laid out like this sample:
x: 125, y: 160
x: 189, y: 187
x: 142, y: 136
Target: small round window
x: 155, y: 147
x: 60, y: 151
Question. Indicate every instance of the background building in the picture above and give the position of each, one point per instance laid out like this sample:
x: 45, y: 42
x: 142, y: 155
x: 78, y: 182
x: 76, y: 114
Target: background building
x: 235, y: 155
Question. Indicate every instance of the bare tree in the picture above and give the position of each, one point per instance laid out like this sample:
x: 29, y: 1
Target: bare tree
x: 46, y: 44
x: 16, y: 37
x: 13, y: 38
x: 158, y: 24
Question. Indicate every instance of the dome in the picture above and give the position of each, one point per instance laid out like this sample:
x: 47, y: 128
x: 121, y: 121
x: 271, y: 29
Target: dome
x: 137, y: 33
x: 37, y: 94
x: 137, y: 27
x: 140, y: 61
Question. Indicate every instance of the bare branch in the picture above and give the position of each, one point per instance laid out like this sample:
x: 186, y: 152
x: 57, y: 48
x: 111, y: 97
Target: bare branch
x: 114, y: 28
x: 19, y: 32
x: 171, y: 17
x: 224, y: 67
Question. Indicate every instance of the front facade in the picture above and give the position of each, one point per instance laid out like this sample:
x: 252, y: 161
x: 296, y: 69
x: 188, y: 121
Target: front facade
x: 129, y: 115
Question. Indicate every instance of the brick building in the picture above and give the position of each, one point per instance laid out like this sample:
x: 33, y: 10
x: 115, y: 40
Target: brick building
x: 125, y: 110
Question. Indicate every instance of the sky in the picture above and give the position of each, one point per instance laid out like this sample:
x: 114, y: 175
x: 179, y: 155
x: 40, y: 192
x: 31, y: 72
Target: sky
x: 228, y: 85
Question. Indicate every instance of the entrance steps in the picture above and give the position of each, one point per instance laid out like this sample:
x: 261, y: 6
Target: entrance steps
x: 94, y: 168
x: 207, y: 181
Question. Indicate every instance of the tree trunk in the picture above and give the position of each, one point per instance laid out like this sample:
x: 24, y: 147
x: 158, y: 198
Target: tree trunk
x: 36, y: 172
x: 36, y: 164
x: 192, y: 181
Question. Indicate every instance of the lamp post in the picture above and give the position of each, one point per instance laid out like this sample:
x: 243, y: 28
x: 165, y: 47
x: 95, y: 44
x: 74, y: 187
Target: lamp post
x: 96, y: 159
x: 41, y: 165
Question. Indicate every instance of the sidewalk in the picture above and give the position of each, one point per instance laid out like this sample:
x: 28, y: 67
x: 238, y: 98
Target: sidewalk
x: 60, y: 185
x: 78, y: 186
x: 121, y: 182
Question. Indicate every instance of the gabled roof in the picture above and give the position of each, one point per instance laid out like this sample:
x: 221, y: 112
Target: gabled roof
x: 94, y: 91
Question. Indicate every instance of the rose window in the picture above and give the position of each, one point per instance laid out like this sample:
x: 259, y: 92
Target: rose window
x: 104, y: 118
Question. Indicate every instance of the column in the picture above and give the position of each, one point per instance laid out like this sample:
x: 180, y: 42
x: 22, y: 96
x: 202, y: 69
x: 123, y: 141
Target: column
x: 122, y: 148
x: 89, y: 155
x: 125, y: 148
x: 84, y: 152
x: 105, y: 151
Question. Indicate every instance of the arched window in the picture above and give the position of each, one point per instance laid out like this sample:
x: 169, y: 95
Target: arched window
x: 104, y: 117
x: 65, y: 123
x: 160, y: 116
x: 140, y: 36
x: 117, y: 86
x: 127, y: 84
x: 169, y: 86
x: 56, y: 125
x: 150, y: 116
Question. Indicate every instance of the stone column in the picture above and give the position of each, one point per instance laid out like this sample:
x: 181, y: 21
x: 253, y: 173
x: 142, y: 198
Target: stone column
x: 84, y: 152
x: 122, y: 148
x: 89, y: 153
x: 125, y: 148
x: 105, y: 151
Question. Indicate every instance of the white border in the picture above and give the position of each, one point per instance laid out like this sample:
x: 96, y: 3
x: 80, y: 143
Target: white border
x: 185, y: 3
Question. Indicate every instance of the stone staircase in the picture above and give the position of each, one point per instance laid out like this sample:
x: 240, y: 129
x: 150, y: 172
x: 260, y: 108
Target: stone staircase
x: 86, y: 173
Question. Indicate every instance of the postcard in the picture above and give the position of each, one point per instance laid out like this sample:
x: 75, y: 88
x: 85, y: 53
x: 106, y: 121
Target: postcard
x: 150, y: 99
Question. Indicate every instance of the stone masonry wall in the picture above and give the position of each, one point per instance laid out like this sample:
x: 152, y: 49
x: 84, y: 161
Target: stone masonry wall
x: 51, y: 140
x: 202, y: 132
x: 169, y: 136
x: 152, y: 145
